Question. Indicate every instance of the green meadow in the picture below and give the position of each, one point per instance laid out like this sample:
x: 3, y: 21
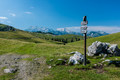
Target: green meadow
x: 25, y: 43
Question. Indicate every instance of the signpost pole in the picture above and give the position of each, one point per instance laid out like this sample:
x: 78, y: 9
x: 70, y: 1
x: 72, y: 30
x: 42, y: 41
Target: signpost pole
x: 84, y: 31
x: 85, y: 49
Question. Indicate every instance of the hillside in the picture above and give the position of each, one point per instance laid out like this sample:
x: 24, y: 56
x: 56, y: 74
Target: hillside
x: 59, y: 38
x: 9, y: 32
x: 112, y: 38
x: 4, y: 27
x: 21, y: 43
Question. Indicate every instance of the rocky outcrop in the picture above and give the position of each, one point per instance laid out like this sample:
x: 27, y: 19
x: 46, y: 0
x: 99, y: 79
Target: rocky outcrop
x: 114, y: 50
x: 98, y: 48
x: 77, y: 58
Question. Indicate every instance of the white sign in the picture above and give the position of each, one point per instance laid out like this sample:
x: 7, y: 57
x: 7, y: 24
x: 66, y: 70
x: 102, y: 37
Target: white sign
x: 84, y: 23
x: 84, y: 29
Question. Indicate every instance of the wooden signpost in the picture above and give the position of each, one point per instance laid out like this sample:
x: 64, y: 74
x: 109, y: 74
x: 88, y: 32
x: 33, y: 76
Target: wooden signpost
x: 84, y: 31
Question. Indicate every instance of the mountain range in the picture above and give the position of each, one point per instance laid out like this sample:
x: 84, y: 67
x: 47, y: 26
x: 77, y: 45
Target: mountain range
x: 64, y: 31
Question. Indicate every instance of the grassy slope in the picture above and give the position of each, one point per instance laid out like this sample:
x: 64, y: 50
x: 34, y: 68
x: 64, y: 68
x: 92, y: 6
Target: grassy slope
x: 20, y: 35
x: 112, y: 38
x: 54, y: 50
x: 69, y: 72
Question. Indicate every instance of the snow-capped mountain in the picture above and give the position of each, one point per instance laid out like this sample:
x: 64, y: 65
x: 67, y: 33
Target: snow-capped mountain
x: 63, y: 31
x: 36, y: 29
x: 96, y: 33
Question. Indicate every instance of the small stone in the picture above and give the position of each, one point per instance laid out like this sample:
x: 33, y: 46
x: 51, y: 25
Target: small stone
x: 103, y: 61
x: 95, y: 64
x: 7, y: 71
x: 105, y: 55
x: 51, y: 59
x: 49, y: 67
x: 72, y: 52
x: 102, y: 58
x: 116, y: 58
x: 10, y: 70
x: 36, y: 59
x: 107, y: 60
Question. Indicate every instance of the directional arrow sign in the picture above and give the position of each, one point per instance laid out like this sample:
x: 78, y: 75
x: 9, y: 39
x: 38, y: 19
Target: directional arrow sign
x: 84, y: 29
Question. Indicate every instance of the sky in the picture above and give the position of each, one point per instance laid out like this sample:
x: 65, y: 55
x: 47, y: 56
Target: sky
x: 103, y: 15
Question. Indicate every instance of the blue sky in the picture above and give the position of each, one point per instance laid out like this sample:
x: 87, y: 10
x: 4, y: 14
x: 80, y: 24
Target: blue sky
x: 59, y: 13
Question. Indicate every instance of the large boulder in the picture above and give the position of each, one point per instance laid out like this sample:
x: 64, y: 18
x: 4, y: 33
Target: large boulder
x: 114, y: 50
x: 77, y: 58
x: 97, y: 48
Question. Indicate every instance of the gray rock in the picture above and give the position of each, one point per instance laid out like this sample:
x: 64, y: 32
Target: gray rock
x: 107, y: 60
x: 72, y: 52
x: 7, y: 71
x: 105, y: 55
x: 114, y: 50
x: 97, y: 47
x: 49, y: 67
x: 51, y: 59
x: 77, y: 58
x: 10, y: 70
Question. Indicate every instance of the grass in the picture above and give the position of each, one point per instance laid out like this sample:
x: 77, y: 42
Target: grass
x: 52, y: 50
x: 7, y: 76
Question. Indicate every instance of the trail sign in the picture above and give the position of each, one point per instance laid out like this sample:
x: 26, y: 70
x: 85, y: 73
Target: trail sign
x: 84, y: 31
x: 84, y: 22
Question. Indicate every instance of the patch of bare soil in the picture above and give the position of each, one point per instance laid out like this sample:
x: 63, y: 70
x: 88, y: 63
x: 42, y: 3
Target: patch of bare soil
x: 34, y: 69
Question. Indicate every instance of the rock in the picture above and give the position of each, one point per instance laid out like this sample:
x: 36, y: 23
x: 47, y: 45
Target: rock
x: 105, y: 55
x: 7, y: 71
x: 51, y: 60
x: 107, y: 60
x: 72, y: 52
x: 102, y: 49
x: 95, y: 64
x: 116, y: 58
x: 10, y: 70
x: 97, y: 48
x: 77, y: 58
x: 114, y: 50
x: 49, y: 67
x: 102, y: 58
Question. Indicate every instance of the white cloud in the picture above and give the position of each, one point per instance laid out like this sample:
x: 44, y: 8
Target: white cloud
x: 108, y: 29
x: 28, y: 12
x: 12, y: 14
x: 3, y: 18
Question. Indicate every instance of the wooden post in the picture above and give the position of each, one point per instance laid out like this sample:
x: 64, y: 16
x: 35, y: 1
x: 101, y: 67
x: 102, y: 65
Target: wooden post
x: 84, y: 31
x: 85, y: 48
